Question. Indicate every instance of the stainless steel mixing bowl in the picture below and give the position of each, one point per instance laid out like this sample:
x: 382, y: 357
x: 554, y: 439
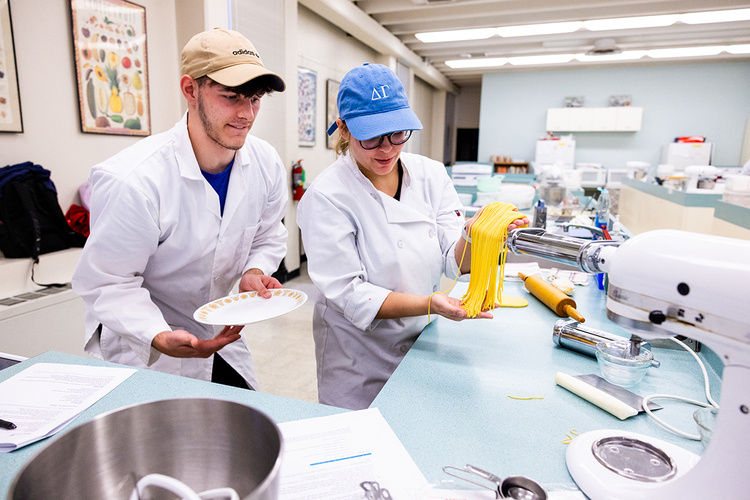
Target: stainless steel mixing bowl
x: 205, y: 443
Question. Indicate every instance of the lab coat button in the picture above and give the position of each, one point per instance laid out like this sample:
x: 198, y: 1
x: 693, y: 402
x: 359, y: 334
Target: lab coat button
x: 404, y: 348
x: 432, y: 233
x: 400, y: 244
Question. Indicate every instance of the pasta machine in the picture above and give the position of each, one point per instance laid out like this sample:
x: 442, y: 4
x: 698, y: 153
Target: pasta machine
x: 661, y: 284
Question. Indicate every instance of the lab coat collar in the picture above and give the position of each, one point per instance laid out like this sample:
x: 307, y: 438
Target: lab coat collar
x: 408, y: 209
x: 189, y: 169
x: 186, y: 160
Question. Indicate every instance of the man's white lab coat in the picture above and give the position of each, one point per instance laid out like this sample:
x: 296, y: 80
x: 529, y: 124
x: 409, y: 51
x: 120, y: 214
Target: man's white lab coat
x: 160, y: 248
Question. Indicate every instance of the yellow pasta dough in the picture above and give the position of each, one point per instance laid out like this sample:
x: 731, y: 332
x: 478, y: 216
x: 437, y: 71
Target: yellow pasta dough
x: 488, y: 234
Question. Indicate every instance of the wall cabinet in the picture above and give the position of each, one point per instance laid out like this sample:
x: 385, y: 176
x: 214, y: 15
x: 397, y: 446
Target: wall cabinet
x: 612, y: 119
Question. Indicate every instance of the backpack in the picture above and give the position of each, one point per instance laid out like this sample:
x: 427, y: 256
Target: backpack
x: 31, y: 220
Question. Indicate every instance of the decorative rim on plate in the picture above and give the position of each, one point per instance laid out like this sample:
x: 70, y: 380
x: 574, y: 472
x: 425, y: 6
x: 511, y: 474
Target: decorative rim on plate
x: 202, y: 313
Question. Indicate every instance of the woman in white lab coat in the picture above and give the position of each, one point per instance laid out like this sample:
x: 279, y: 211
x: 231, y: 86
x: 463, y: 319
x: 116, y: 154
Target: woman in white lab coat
x: 380, y: 227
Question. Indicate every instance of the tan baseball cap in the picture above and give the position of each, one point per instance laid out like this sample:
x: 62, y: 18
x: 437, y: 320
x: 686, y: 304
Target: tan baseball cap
x: 226, y: 57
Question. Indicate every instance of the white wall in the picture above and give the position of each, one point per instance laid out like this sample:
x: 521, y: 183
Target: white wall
x: 708, y: 99
x: 329, y: 52
x: 52, y: 134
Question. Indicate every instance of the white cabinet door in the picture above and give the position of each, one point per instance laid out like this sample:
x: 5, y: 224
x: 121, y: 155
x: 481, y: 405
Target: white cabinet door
x: 629, y: 119
x: 612, y: 119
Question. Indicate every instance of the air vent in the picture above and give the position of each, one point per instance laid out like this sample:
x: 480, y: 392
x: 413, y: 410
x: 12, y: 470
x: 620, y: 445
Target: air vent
x: 29, y: 296
x: 604, y: 47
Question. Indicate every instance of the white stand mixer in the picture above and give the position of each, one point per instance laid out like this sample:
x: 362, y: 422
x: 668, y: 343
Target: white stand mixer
x: 661, y: 284
x: 699, y: 177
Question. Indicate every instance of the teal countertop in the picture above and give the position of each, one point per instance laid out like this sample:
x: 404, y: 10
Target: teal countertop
x: 448, y: 400
x: 734, y: 214
x: 148, y: 385
x: 679, y: 197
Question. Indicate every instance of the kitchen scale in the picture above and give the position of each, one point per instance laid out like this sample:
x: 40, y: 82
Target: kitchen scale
x: 613, y: 464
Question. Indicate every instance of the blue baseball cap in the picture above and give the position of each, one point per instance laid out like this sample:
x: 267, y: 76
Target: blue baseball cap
x: 372, y: 101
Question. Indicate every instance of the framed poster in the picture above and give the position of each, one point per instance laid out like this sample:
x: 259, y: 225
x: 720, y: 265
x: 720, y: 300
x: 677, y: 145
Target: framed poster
x: 10, y: 98
x: 332, y: 111
x: 306, y: 88
x: 109, y: 41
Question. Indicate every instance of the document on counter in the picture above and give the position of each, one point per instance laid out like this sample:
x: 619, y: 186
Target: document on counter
x: 45, y: 397
x: 353, y: 455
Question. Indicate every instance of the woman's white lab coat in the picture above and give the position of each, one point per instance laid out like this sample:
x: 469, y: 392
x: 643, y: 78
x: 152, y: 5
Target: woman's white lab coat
x: 362, y: 244
x: 160, y: 248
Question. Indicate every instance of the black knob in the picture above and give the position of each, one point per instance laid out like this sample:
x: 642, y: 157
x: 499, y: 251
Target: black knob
x: 657, y: 317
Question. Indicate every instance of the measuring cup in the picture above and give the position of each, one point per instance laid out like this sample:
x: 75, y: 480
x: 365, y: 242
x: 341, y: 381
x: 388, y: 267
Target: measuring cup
x: 517, y: 487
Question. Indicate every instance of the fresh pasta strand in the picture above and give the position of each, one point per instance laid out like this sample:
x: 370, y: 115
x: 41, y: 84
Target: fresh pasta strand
x: 488, y: 235
x: 489, y: 214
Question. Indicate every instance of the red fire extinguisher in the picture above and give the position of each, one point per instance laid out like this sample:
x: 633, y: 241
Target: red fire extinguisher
x: 298, y: 180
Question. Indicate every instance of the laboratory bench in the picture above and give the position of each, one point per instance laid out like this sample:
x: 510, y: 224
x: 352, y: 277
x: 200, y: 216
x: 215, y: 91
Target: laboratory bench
x: 645, y: 206
x: 449, y: 401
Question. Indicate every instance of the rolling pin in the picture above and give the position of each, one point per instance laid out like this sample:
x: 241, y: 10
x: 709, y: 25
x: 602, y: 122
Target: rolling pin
x: 563, y: 305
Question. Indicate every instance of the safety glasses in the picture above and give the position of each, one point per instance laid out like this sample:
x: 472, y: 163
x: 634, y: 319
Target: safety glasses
x: 396, y: 138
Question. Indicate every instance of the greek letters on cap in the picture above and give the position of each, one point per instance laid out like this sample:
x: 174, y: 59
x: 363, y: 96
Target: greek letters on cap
x: 379, y: 95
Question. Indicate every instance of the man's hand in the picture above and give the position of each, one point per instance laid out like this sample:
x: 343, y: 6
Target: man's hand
x: 450, y: 307
x: 183, y: 344
x: 255, y: 280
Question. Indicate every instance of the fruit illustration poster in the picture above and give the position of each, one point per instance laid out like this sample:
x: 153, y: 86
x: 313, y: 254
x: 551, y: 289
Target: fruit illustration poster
x: 109, y: 39
x: 10, y: 98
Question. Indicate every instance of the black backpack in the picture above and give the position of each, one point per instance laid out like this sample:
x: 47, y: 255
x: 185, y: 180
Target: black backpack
x: 31, y: 220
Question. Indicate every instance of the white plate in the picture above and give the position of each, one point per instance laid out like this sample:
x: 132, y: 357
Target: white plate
x: 248, y: 307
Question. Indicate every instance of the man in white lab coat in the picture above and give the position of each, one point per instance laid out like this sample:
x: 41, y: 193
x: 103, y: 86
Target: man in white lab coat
x: 178, y: 217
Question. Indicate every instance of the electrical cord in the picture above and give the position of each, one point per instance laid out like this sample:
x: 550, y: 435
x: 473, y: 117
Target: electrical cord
x: 711, y: 403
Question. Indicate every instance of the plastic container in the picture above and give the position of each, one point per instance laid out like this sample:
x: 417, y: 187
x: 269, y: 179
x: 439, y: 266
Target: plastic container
x: 489, y: 184
x: 540, y: 215
x: 602, y: 209
x: 618, y: 367
x: 521, y: 195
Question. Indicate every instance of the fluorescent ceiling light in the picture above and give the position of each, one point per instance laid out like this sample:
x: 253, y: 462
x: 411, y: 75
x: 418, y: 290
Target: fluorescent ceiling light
x: 625, y: 23
x: 685, y: 52
x: 539, y: 29
x: 628, y: 55
x: 486, y: 62
x: 456, y: 35
x: 545, y: 59
x: 719, y: 16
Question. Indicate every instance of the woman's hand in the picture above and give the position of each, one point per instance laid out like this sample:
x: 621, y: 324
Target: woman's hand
x: 450, y: 307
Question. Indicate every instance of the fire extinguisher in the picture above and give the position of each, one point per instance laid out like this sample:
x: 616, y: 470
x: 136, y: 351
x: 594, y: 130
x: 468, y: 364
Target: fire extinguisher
x: 298, y: 180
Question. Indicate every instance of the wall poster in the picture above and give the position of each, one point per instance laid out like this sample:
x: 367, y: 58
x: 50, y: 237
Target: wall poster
x: 10, y: 97
x: 306, y: 88
x: 109, y: 41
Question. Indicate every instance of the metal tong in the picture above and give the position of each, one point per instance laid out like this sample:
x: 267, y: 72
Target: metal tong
x: 517, y: 487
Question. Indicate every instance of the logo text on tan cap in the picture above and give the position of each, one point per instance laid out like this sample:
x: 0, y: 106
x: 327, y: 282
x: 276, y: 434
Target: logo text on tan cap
x: 245, y: 51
